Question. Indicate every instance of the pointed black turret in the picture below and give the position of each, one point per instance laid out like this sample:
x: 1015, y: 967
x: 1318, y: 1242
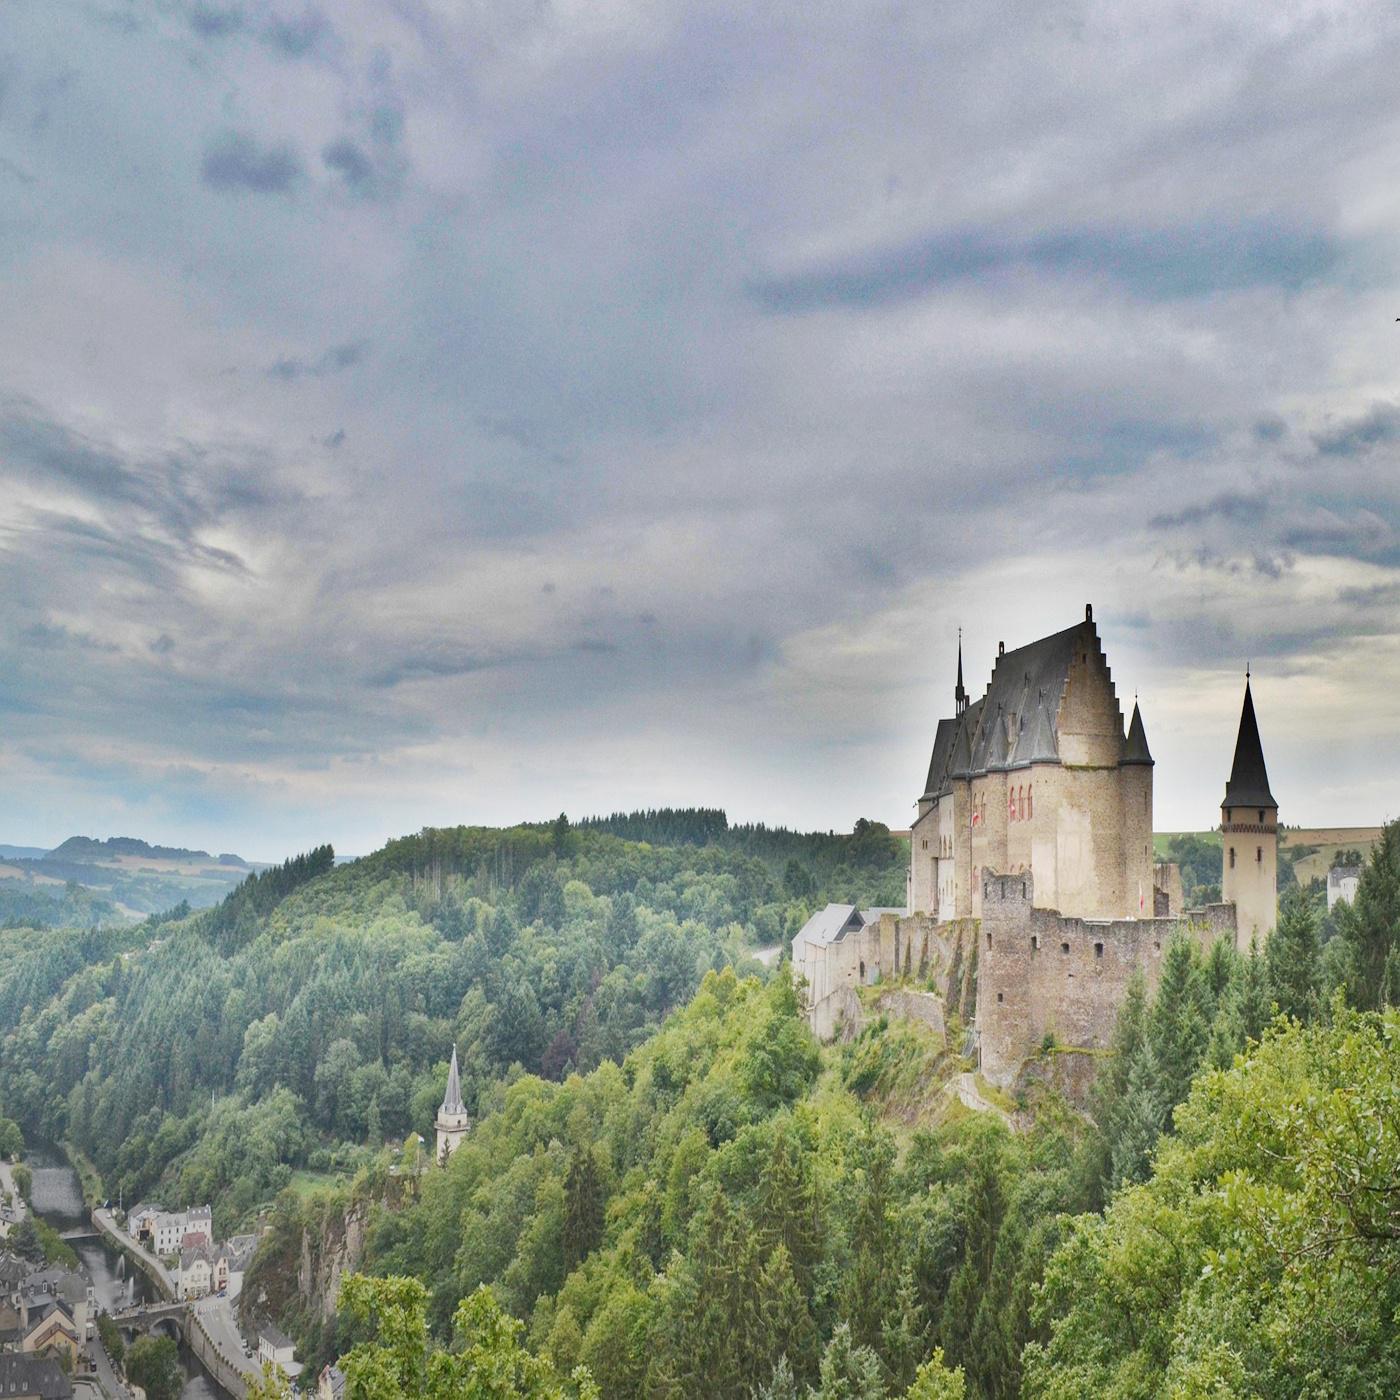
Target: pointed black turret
x: 1249, y: 779
x: 1135, y: 750
x: 959, y: 694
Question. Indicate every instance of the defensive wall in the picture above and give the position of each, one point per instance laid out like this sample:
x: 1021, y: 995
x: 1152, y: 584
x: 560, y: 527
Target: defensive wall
x: 1041, y: 974
x: 890, y: 946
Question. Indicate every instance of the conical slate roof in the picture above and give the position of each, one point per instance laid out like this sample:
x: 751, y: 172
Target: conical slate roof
x: 1135, y: 749
x: 452, y: 1099
x: 1249, y: 779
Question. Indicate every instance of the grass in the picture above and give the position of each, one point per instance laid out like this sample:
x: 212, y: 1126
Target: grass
x: 306, y: 1183
x: 88, y: 1176
x: 996, y: 1096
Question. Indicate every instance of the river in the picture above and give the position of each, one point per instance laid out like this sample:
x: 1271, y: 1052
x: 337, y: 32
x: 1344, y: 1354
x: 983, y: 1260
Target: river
x: 58, y: 1199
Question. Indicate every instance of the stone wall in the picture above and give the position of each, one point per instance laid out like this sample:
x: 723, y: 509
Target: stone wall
x: 1042, y: 974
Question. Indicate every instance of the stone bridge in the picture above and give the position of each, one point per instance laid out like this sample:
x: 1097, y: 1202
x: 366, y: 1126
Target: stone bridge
x: 160, y: 1319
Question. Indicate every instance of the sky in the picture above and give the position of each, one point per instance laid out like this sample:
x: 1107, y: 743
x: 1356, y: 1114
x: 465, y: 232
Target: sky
x: 415, y: 412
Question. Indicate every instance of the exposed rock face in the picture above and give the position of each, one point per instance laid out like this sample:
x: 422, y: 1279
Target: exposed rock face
x: 327, y: 1258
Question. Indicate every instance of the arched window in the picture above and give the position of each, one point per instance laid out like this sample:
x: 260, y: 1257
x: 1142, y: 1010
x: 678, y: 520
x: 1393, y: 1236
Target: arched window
x: 1021, y: 803
x: 1030, y: 809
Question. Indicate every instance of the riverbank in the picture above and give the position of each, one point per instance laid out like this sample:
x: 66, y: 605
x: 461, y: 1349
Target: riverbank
x: 142, y: 1258
x: 89, y: 1178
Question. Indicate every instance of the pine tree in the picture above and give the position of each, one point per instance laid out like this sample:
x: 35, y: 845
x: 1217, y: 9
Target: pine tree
x: 583, y: 1208
x: 1255, y: 1007
x: 1177, y: 1027
x: 1370, y: 926
x: 1140, y: 1120
x: 871, y: 1283
x: 781, y: 1386
x: 904, y: 1339
x: 1291, y: 957
x: 848, y: 1372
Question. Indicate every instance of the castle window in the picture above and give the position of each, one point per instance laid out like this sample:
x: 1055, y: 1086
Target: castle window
x: 1098, y: 950
x: 1030, y: 810
x: 1261, y: 818
x: 1064, y: 947
x: 925, y: 845
x: 1259, y: 855
x: 1001, y: 996
x: 1232, y: 857
x: 989, y: 940
x: 1035, y: 942
x: 1156, y: 947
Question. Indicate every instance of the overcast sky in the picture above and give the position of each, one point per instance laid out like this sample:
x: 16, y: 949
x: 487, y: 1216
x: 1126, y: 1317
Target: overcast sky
x: 417, y: 412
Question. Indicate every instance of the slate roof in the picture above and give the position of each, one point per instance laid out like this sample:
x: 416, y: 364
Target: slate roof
x: 21, y: 1374
x: 1249, y: 779
x: 830, y: 925
x: 1013, y: 724
x: 1135, y: 750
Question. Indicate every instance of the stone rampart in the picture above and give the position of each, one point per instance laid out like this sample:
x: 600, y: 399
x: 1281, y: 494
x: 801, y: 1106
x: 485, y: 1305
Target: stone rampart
x: 1042, y: 974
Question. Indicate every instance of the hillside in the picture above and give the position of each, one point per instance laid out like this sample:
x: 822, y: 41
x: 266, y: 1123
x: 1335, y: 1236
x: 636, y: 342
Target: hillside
x: 317, y: 1003
x: 124, y: 877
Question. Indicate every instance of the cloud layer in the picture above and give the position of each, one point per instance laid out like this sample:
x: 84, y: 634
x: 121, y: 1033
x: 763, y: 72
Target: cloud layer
x: 414, y: 413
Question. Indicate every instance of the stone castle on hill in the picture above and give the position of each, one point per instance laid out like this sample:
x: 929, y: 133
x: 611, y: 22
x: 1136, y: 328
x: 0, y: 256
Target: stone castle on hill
x: 1033, y: 840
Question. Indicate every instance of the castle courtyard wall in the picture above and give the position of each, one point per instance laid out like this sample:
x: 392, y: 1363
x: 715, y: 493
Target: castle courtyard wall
x: 1043, y: 974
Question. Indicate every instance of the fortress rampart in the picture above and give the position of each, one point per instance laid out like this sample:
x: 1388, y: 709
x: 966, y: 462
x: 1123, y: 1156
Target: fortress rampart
x: 1041, y: 974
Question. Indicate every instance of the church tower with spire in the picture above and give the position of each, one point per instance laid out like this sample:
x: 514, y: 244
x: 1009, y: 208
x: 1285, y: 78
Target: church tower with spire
x: 1249, y: 835
x: 452, y: 1119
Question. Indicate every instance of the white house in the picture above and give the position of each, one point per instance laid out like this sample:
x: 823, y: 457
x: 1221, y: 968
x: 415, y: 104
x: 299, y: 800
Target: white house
x: 196, y: 1276
x: 1341, y: 884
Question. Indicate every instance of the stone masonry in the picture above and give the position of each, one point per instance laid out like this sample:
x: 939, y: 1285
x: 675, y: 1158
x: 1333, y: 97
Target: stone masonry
x: 1042, y: 974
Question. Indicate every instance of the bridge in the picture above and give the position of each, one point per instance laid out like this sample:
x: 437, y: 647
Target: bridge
x: 80, y: 1234
x: 167, y: 1319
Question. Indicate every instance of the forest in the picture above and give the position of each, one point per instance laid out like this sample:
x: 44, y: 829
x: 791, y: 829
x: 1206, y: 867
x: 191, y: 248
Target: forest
x: 295, y: 1027
x: 671, y: 1189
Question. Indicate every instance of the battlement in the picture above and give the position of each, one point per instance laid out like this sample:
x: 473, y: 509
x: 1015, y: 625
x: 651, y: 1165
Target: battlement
x: 1041, y: 974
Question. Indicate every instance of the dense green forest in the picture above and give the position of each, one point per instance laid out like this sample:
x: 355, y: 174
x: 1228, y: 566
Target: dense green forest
x: 307, y: 1018
x: 671, y: 1189
x: 737, y: 1211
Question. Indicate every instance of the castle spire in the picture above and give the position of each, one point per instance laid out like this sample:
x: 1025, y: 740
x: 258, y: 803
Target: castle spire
x: 1249, y: 779
x: 452, y: 1099
x: 1136, y: 750
x: 959, y: 694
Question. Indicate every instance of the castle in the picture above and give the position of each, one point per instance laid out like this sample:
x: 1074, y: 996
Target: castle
x: 1031, y: 860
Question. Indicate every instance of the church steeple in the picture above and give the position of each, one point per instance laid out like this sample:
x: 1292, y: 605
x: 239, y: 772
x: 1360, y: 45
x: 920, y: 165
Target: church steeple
x: 452, y: 1099
x: 959, y: 694
x: 452, y: 1118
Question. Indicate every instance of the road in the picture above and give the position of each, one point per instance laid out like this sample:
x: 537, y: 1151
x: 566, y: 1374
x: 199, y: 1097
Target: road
x: 7, y: 1183
x: 215, y: 1316
x: 106, y: 1375
x: 104, y: 1222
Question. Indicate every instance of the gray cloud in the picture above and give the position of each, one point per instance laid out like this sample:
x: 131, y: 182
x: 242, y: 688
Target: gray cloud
x: 1154, y: 264
x: 238, y: 161
x: 214, y: 21
x: 1380, y: 425
x: 715, y: 371
x: 298, y: 36
x: 331, y: 361
x: 1229, y: 506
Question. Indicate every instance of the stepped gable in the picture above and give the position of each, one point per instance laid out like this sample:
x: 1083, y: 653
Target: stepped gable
x: 1028, y: 685
x: 1249, y: 779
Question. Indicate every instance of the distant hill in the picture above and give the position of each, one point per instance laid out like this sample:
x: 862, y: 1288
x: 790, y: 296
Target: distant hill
x: 86, y: 880
x: 86, y: 849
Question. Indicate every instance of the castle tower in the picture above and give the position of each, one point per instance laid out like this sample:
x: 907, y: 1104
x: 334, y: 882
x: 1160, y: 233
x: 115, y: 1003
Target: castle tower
x: 1135, y: 795
x: 452, y: 1120
x: 1249, y: 835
